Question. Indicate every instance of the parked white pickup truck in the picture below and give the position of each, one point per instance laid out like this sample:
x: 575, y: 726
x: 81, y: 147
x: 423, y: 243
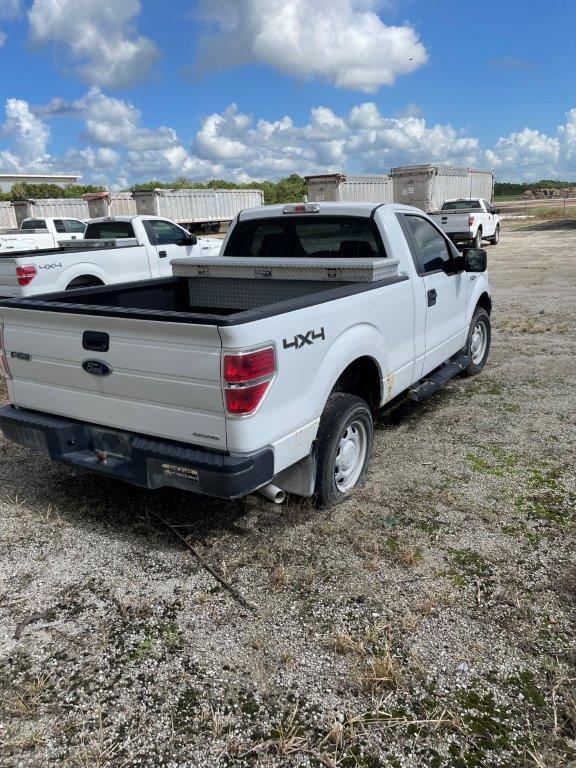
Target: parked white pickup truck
x: 114, y: 250
x: 257, y: 370
x: 469, y: 221
x: 41, y: 234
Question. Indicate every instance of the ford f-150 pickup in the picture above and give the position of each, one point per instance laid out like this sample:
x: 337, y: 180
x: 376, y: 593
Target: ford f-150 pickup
x: 469, y: 221
x: 114, y: 250
x: 41, y: 234
x: 255, y: 370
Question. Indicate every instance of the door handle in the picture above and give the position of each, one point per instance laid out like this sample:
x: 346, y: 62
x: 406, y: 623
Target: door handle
x: 432, y: 296
x: 162, y: 254
x: 96, y: 341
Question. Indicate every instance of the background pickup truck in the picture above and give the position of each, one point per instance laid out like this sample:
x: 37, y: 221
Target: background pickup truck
x: 469, y: 221
x: 114, y: 250
x: 41, y: 234
x: 257, y: 370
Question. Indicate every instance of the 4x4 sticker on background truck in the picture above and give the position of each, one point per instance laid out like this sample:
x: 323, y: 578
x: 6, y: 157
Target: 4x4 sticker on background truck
x: 302, y: 339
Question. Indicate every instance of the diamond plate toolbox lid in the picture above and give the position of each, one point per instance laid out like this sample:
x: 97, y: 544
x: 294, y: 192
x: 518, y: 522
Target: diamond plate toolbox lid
x: 338, y: 270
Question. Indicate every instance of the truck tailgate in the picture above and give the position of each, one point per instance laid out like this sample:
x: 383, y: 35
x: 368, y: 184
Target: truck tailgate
x: 164, y: 379
x: 8, y: 280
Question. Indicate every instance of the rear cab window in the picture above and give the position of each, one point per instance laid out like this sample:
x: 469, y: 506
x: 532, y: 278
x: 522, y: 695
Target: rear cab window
x: 322, y: 237
x: 109, y: 230
x: 34, y: 224
x: 460, y: 205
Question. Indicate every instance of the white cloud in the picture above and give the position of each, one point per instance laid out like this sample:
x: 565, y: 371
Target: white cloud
x: 2, y: 38
x: 343, y: 42
x: 115, y: 148
x: 363, y: 138
x: 26, y: 137
x: 109, y: 121
x: 99, y: 35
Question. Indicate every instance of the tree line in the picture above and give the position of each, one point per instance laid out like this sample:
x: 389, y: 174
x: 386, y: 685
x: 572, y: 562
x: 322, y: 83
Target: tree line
x: 289, y: 190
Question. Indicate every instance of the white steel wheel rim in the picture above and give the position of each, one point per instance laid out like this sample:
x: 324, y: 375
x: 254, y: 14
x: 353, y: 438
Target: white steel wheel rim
x: 478, y: 342
x: 350, y: 456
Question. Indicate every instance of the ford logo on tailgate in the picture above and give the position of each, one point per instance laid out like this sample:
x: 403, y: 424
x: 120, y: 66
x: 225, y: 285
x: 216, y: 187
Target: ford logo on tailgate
x: 97, y: 367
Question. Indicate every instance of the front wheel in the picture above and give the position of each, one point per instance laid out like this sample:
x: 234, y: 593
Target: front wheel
x: 496, y: 237
x: 478, y: 342
x: 345, y: 439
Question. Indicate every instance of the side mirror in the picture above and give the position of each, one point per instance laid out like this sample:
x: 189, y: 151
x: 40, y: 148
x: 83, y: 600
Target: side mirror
x: 496, y: 210
x: 188, y: 239
x: 475, y: 260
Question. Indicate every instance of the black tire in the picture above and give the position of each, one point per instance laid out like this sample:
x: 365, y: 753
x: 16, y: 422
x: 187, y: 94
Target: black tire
x: 482, y: 318
x: 478, y: 238
x: 341, y: 413
x: 496, y: 237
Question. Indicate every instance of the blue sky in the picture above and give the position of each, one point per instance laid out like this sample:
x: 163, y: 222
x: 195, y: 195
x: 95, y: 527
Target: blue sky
x: 123, y: 90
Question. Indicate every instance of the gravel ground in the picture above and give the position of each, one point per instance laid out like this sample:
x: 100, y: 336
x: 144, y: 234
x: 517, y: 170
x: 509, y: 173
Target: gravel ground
x: 428, y: 621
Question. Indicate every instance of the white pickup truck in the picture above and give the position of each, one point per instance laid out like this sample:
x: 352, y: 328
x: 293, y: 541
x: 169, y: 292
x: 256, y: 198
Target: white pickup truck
x: 256, y: 370
x: 114, y: 250
x: 469, y: 221
x: 41, y: 234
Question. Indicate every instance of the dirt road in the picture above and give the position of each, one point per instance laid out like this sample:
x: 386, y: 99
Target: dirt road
x: 428, y: 621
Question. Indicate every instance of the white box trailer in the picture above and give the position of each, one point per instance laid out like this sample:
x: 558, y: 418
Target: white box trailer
x: 7, y: 215
x: 339, y: 187
x: 67, y: 207
x: 427, y: 186
x: 110, y: 204
x: 197, y: 209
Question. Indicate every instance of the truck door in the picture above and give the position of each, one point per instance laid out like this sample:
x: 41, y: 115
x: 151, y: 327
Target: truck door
x: 167, y: 238
x: 445, y: 290
x: 490, y: 227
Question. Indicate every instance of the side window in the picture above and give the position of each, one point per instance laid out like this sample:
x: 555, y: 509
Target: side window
x: 75, y: 227
x: 59, y: 225
x: 431, y: 249
x: 165, y: 233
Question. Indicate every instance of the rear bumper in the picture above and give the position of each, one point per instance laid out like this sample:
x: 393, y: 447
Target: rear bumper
x: 138, y: 459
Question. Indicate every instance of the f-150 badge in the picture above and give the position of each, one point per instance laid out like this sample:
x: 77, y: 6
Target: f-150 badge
x: 302, y: 339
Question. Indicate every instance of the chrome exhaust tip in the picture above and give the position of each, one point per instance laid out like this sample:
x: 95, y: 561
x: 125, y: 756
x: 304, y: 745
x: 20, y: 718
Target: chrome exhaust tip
x: 272, y: 493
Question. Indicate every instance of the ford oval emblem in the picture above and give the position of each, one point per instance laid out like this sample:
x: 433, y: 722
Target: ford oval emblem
x: 97, y: 367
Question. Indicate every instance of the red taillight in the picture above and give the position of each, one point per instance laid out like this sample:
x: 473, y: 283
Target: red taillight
x: 247, y: 377
x: 470, y: 220
x: 249, y: 366
x: 4, y: 369
x: 25, y: 275
x: 243, y: 400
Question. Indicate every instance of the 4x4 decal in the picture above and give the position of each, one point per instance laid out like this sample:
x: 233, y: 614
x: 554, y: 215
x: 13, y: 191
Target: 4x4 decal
x: 302, y: 339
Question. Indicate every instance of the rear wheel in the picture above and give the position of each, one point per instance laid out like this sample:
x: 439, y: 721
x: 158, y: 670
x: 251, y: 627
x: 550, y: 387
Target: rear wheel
x: 478, y: 238
x: 496, y: 237
x: 345, y: 440
x: 478, y: 342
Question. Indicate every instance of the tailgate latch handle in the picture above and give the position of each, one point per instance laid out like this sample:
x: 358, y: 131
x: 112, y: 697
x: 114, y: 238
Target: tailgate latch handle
x: 96, y: 341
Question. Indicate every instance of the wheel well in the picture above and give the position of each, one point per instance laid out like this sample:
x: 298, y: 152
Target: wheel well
x: 485, y: 302
x: 361, y: 378
x: 84, y: 281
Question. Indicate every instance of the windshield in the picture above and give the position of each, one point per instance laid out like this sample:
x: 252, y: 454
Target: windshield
x: 460, y: 205
x: 34, y: 224
x: 108, y: 230
x: 345, y: 237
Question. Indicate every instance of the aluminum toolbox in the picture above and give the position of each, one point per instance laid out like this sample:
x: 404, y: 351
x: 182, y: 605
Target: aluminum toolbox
x: 338, y: 270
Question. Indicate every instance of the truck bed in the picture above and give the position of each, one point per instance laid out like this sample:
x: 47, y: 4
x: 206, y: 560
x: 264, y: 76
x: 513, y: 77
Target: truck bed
x: 206, y: 300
